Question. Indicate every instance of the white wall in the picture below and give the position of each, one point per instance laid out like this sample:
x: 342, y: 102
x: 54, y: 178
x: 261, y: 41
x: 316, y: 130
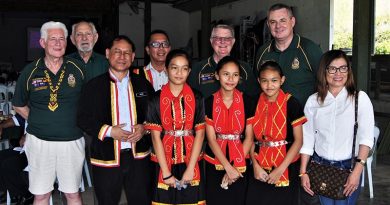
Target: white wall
x: 175, y: 22
x: 312, y: 17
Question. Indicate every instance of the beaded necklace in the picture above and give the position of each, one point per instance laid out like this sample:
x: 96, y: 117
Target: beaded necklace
x: 53, y: 104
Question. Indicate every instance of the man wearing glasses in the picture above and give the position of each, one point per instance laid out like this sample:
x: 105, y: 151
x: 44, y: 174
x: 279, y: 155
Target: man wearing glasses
x: 84, y: 36
x: 299, y: 57
x: 202, y: 76
x: 157, y: 48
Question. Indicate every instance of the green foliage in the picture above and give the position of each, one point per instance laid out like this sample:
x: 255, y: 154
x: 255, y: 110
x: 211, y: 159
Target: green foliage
x: 342, y: 36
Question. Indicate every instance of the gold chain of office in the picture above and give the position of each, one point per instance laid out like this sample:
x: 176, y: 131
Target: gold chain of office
x: 53, y: 103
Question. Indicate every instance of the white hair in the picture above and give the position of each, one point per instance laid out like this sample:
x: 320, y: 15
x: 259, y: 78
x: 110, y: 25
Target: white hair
x: 90, y: 24
x: 52, y: 25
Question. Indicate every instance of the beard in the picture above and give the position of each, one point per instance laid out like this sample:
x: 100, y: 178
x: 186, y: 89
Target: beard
x: 85, y: 48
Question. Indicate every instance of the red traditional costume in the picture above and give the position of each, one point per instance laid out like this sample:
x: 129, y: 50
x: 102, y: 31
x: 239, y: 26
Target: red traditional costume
x: 229, y: 125
x: 178, y: 118
x: 273, y: 127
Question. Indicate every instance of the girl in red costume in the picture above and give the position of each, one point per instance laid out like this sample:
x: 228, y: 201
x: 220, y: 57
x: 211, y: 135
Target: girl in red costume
x: 229, y: 115
x: 176, y: 121
x: 278, y: 138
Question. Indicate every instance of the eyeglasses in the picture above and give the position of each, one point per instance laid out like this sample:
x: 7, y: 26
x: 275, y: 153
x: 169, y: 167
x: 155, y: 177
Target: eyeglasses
x: 341, y: 69
x: 164, y: 44
x: 222, y: 39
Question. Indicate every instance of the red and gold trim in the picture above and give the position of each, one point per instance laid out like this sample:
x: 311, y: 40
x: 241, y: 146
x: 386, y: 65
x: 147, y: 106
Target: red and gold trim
x: 269, y: 126
x: 103, y: 132
x: 148, y: 74
x: 152, y: 126
x: 299, y: 121
x: 200, y: 126
x: 109, y: 163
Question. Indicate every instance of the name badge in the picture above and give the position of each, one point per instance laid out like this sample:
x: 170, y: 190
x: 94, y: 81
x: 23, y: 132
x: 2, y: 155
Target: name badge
x: 141, y: 94
x: 39, y: 83
x: 207, y: 78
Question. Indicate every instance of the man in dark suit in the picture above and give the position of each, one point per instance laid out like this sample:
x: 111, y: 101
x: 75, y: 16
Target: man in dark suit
x: 112, y: 110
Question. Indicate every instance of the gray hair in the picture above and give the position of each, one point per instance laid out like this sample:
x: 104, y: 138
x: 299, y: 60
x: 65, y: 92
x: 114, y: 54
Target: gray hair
x: 90, y: 24
x: 281, y: 6
x: 223, y: 26
x: 52, y: 25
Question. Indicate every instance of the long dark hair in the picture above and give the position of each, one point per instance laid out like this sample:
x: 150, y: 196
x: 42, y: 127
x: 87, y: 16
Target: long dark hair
x: 322, y: 85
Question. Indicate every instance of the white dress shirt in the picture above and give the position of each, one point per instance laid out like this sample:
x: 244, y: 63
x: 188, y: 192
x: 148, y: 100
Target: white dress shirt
x: 123, y: 107
x: 159, y: 78
x: 329, y: 129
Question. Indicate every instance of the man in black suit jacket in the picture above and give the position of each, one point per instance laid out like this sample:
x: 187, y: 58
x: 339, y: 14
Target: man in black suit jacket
x: 112, y: 110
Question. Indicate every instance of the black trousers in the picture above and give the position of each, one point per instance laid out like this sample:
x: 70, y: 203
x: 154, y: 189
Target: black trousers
x: 12, y: 176
x: 134, y: 175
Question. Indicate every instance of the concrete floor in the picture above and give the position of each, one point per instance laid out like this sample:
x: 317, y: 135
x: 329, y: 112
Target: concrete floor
x: 381, y: 179
x: 380, y: 169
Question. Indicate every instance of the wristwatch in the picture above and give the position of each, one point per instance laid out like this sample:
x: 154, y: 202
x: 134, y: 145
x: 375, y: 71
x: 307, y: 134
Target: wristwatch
x: 362, y: 162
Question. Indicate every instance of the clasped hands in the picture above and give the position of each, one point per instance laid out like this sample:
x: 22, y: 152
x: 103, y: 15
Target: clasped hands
x: 271, y: 177
x: 172, y: 181
x: 118, y: 133
x: 231, y: 176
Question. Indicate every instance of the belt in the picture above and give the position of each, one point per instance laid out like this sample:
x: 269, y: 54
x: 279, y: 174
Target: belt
x: 178, y: 133
x: 271, y: 143
x: 228, y: 137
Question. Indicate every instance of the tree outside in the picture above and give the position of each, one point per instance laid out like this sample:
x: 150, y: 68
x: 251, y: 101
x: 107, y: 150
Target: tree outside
x: 343, y: 21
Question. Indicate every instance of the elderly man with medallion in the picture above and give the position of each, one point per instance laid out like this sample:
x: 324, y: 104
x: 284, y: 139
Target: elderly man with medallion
x: 46, y: 95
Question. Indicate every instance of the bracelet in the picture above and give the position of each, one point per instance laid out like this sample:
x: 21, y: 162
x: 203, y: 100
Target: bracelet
x: 301, y: 174
x: 165, y: 178
x: 361, y: 161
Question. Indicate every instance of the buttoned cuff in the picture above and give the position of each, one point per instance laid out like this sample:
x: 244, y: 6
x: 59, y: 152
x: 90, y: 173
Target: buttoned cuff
x: 306, y: 151
x: 367, y: 142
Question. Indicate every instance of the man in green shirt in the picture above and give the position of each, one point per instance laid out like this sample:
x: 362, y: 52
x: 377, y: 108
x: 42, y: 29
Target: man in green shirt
x: 299, y: 57
x: 47, y: 94
x: 84, y: 36
x: 202, y: 75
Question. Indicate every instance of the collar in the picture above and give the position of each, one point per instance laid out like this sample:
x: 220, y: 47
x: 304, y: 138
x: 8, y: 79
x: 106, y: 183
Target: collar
x: 212, y: 62
x: 295, y: 43
x: 41, y: 63
x: 342, y: 94
x: 114, y: 78
x: 151, y: 68
x: 78, y: 57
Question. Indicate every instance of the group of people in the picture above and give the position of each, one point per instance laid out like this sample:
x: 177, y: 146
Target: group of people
x: 146, y: 127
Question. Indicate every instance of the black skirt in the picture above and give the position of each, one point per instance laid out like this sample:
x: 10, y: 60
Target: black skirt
x: 215, y: 195
x: 190, y: 195
x: 261, y: 193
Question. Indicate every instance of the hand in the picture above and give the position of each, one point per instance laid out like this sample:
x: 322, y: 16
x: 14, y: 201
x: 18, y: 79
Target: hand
x: 305, y: 183
x: 275, y: 175
x: 259, y: 173
x: 233, y: 174
x: 225, y: 182
x: 22, y: 140
x: 118, y: 133
x: 171, y: 181
x: 352, y: 183
x: 137, y: 134
x: 187, y: 177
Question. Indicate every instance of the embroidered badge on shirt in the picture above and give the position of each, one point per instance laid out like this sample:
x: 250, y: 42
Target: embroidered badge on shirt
x: 71, y: 80
x: 206, y: 78
x: 295, y: 63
